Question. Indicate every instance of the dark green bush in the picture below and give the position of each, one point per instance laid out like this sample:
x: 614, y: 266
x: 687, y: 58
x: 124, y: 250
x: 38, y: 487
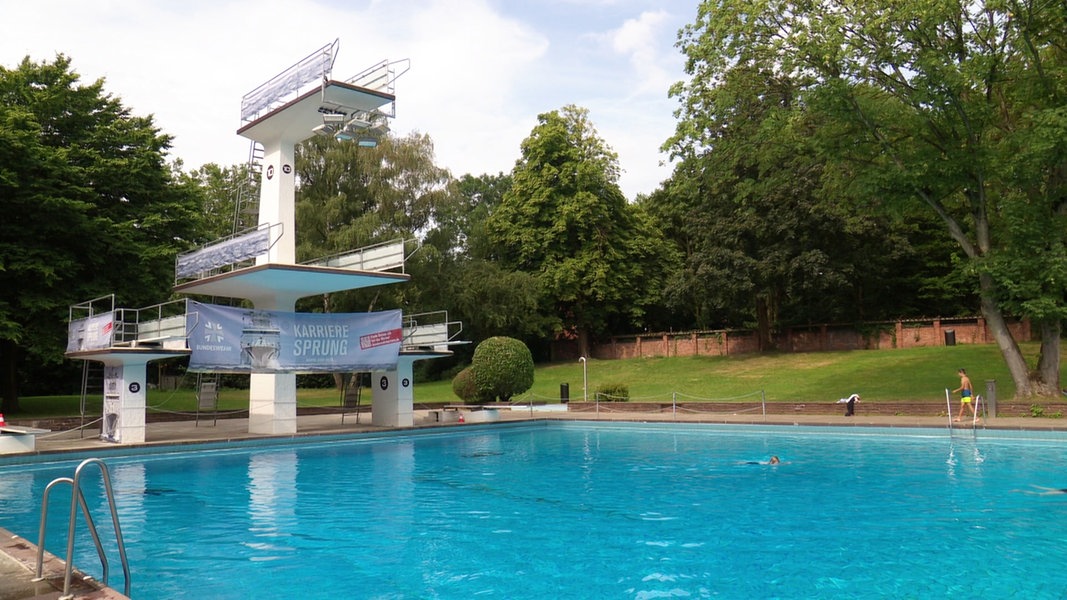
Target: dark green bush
x: 503, y: 367
x: 464, y: 388
x: 613, y: 392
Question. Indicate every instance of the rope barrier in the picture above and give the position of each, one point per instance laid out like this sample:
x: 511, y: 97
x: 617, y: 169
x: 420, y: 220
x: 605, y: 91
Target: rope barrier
x: 697, y: 411
x: 727, y: 399
x: 603, y: 402
x: 63, y: 431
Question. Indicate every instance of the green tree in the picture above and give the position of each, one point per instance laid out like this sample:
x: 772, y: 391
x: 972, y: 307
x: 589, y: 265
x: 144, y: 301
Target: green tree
x: 221, y: 188
x: 599, y: 260
x: 502, y: 367
x: 90, y: 208
x: 763, y: 247
x: 462, y: 270
x: 934, y: 101
x: 759, y: 237
x: 351, y: 197
x: 460, y: 225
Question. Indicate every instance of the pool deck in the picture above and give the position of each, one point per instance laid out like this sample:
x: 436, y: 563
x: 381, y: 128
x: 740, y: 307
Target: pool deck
x: 181, y: 432
x: 18, y: 555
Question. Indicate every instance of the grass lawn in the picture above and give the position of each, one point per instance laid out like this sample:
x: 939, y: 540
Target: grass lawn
x: 908, y: 375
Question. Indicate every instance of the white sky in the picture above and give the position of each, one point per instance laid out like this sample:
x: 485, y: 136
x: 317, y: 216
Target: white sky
x: 481, y: 70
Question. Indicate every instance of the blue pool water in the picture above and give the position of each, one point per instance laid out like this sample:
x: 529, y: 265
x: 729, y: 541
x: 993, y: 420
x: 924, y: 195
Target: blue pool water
x: 580, y: 511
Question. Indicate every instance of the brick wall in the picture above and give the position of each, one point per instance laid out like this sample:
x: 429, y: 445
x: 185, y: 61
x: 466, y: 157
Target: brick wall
x: 870, y: 336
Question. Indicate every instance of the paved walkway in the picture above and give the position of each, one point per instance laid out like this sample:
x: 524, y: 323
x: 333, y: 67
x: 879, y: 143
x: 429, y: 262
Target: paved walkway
x: 18, y: 556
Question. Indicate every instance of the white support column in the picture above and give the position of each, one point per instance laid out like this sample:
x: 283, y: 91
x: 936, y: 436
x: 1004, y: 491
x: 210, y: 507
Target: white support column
x: 272, y: 403
x: 394, y: 399
x: 277, y: 199
x: 125, y: 383
x: 272, y: 396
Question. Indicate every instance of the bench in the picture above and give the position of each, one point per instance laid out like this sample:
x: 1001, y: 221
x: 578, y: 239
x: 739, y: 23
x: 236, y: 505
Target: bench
x: 15, y: 439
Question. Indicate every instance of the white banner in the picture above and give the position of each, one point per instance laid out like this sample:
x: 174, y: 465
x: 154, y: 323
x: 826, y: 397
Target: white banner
x: 91, y: 333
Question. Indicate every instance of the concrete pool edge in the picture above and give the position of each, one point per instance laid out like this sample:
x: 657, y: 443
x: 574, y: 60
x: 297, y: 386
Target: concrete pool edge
x: 18, y: 563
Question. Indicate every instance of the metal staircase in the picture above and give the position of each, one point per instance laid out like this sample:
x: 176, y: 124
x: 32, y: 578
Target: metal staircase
x: 92, y: 382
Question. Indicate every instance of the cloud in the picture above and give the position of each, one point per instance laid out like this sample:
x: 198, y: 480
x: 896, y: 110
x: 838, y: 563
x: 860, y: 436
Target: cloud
x: 467, y: 62
x: 641, y: 40
x: 481, y: 70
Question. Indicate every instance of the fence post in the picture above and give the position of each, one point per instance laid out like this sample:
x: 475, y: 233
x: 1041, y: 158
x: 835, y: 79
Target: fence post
x: 991, y: 397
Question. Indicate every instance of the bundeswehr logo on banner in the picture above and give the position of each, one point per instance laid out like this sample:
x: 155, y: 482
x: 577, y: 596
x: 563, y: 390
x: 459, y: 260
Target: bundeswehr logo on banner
x: 240, y: 340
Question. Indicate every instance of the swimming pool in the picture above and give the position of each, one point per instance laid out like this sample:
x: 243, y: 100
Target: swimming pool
x: 571, y: 510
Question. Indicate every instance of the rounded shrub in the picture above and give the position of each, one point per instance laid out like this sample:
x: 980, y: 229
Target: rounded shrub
x: 463, y: 386
x: 503, y: 367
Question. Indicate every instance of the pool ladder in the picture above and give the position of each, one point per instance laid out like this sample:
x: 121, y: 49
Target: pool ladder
x: 77, y: 498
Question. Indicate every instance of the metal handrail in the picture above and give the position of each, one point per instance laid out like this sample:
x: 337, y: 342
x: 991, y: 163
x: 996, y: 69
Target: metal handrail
x: 400, y: 251
x: 76, y: 499
x: 438, y: 318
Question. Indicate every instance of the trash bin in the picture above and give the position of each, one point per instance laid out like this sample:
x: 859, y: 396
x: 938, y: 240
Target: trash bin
x: 564, y: 393
x: 950, y: 337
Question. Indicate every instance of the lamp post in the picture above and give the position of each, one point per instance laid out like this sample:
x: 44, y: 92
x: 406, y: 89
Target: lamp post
x: 585, y: 379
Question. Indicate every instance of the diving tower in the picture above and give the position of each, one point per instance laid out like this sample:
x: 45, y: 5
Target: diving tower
x: 259, y: 264
x: 278, y: 115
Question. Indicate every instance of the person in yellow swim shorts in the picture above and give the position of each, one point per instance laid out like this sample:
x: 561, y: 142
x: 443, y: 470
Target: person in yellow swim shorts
x: 966, y: 392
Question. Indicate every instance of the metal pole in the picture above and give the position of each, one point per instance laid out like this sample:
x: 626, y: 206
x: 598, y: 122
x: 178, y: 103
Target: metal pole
x: 674, y: 405
x: 948, y: 405
x: 763, y: 401
x: 585, y: 379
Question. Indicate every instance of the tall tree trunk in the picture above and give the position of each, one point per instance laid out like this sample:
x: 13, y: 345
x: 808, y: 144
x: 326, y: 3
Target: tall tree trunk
x: 1009, y: 349
x: 9, y: 386
x: 583, y: 342
x: 764, y: 322
x: 1047, y: 378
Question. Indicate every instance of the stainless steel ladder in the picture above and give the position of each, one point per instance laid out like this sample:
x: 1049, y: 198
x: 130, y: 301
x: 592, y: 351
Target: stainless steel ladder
x: 246, y: 205
x: 77, y: 498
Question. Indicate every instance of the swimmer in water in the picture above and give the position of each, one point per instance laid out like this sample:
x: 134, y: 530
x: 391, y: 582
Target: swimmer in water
x: 1046, y: 491
x: 774, y: 460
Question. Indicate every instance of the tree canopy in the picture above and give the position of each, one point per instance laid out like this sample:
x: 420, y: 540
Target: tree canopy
x: 351, y: 197
x: 599, y: 260
x: 90, y: 208
x: 957, y: 106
